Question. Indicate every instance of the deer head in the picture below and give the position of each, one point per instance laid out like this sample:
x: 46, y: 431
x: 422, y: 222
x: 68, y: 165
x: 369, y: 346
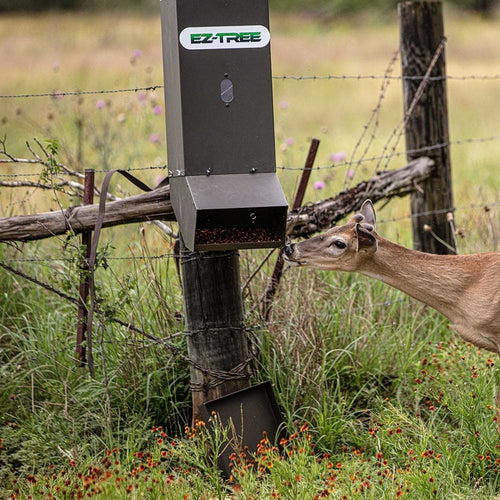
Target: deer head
x: 341, y: 248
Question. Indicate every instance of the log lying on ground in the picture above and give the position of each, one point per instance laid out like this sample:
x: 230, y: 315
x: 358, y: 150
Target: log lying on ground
x: 156, y: 205
x: 320, y: 216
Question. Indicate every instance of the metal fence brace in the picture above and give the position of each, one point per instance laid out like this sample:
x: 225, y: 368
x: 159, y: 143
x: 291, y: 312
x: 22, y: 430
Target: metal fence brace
x: 220, y: 130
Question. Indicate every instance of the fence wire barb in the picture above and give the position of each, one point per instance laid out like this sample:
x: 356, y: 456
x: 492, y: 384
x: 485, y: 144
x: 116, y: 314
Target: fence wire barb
x: 383, y: 77
x: 59, y: 94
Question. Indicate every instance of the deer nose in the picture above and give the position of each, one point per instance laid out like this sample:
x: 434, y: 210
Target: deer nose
x: 288, y: 250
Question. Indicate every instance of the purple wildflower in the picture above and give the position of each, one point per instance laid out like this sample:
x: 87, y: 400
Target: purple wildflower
x: 338, y: 157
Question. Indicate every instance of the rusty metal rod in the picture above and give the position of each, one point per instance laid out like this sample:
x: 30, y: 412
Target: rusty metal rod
x: 297, y: 203
x: 81, y: 329
x: 306, y: 173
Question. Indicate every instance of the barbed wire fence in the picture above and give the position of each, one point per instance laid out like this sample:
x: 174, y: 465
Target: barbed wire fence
x: 57, y: 94
x: 19, y: 179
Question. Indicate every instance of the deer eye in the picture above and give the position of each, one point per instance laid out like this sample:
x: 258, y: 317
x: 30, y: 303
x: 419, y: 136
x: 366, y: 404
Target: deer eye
x: 339, y: 244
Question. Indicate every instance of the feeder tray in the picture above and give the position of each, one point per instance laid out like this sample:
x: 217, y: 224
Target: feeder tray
x: 249, y: 413
x: 222, y: 212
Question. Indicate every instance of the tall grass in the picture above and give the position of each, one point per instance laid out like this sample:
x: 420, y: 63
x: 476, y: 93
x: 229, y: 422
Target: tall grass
x: 364, y: 367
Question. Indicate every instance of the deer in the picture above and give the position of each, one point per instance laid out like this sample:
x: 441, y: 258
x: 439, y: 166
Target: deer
x: 463, y: 288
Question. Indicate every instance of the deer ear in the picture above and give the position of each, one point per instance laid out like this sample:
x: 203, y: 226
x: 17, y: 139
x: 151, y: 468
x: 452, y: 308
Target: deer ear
x: 357, y: 218
x: 368, y: 212
x: 366, y: 240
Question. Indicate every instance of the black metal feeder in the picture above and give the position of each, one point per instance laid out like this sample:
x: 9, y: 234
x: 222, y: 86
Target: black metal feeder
x: 248, y: 414
x: 220, y: 131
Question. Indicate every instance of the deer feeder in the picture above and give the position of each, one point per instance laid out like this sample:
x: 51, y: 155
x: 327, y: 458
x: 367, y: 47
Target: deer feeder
x: 220, y: 132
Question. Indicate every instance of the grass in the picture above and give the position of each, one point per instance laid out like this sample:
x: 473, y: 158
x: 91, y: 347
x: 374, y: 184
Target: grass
x: 393, y: 402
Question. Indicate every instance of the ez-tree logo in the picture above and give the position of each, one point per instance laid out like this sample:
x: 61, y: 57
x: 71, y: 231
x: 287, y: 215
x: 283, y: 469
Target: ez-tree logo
x: 224, y: 37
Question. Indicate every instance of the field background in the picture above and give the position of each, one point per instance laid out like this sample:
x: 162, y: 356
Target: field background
x: 352, y: 358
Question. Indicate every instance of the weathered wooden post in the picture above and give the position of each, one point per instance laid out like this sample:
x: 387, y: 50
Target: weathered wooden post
x: 214, y: 324
x: 81, y: 329
x: 421, y: 33
x: 222, y: 171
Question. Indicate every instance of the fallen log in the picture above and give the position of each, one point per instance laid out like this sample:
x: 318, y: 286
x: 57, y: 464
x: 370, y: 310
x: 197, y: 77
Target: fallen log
x: 155, y: 205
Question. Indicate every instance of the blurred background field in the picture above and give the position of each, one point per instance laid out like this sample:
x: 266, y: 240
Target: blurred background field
x: 345, y: 354
x: 53, y: 52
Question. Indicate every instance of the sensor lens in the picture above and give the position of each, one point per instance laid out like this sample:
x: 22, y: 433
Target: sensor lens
x: 226, y: 90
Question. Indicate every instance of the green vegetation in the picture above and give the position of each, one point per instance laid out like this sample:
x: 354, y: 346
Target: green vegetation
x: 393, y: 402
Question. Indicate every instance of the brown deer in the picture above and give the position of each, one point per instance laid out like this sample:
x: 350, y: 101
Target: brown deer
x: 464, y: 288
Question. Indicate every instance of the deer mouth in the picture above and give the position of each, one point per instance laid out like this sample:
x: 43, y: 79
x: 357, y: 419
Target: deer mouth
x: 288, y: 252
x: 294, y: 262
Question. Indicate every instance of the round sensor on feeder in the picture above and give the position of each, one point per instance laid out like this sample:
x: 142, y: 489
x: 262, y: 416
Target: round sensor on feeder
x: 226, y: 90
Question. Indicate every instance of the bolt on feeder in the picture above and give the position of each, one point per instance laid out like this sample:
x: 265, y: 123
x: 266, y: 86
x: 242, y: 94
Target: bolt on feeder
x: 220, y: 130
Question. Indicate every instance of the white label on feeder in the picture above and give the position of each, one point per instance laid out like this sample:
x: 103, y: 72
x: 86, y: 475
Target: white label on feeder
x: 224, y: 37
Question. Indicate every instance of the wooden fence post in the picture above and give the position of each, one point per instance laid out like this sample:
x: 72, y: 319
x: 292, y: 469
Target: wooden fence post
x: 81, y: 328
x: 421, y: 33
x: 215, y: 330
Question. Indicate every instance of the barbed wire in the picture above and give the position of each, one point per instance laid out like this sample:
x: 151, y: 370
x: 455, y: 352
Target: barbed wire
x: 130, y: 169
x: 401, y: 153
x: 423, y: 149
x: 56, y: 94
x: 383, y: 77
x: 486, y: 206
x: 69, y: 259
x: 372, y: 122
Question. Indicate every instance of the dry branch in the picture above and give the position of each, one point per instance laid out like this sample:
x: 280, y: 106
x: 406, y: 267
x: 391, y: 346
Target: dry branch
x: 322, y: 215
x: 156, y: 205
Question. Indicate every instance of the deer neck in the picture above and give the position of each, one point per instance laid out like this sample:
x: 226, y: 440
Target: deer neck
x: 426, y: 277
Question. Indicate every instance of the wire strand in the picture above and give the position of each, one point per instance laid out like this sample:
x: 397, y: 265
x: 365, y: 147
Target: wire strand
x: 423, y: 149
x: 297, y: 78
